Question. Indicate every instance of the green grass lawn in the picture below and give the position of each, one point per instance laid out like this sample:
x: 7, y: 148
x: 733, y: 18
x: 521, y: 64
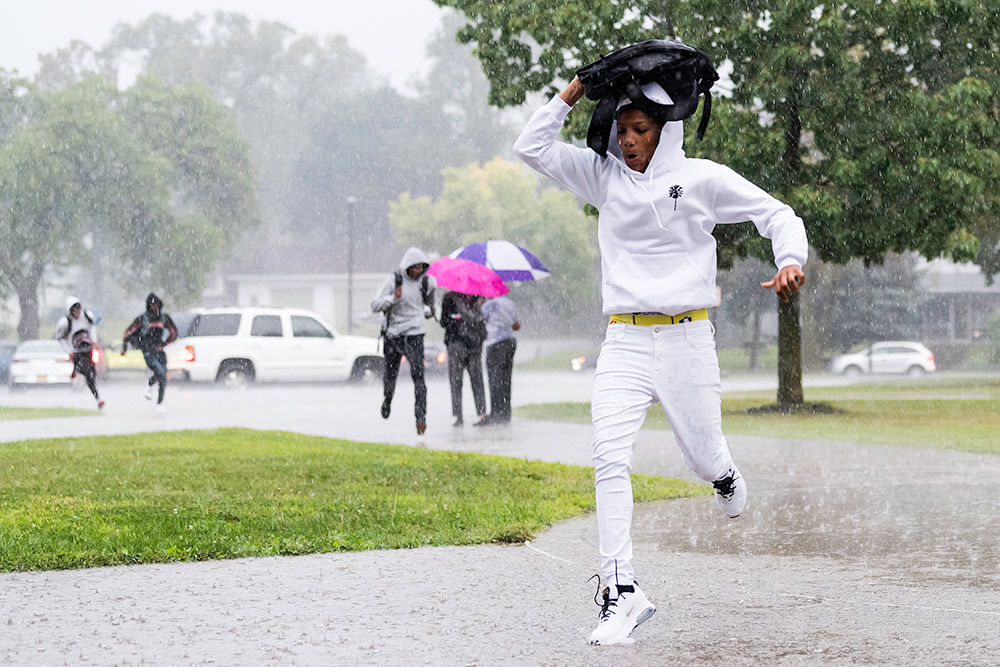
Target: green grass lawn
x: 43, y: 413
x: 964, y: 424
x: 228, y: 493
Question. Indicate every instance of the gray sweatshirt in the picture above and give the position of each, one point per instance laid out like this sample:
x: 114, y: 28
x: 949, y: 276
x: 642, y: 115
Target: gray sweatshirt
x: 406, y: 314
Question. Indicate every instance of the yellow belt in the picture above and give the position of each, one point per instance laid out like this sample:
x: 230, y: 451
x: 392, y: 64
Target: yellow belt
x: 649, y: 320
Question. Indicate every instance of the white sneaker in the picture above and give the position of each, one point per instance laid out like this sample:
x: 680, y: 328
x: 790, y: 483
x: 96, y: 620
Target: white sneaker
x: 161, y: 408
x: 150, y: 392
x: 731, y: 493
x: 621, y: 614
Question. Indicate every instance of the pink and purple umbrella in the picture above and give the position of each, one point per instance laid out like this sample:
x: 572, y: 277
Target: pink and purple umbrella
x: 510, y: 261
x: 461, y: 275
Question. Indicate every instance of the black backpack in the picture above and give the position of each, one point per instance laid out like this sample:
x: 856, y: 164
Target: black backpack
x: 683, y: 71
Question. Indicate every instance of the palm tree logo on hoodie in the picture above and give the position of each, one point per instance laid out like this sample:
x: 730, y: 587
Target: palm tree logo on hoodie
x: 676, y: 192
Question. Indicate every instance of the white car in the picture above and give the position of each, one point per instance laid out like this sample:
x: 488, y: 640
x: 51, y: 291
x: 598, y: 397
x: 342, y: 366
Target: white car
x: 887, y: 357
x: 40, y: 362
x: 239, y: 345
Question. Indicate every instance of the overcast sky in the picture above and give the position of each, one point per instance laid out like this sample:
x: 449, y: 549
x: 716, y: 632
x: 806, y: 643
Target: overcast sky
x: 391, y: 34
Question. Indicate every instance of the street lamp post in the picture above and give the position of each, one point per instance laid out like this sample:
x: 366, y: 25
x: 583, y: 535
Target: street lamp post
x: 351, y: 201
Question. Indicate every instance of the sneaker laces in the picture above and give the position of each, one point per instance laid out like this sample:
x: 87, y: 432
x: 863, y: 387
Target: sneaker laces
x: 725, y: 487
x: 608, y: 603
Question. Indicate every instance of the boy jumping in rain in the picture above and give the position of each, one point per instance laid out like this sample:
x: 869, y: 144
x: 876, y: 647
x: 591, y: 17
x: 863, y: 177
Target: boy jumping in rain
x: 658, y: 263
x: 406, y: 300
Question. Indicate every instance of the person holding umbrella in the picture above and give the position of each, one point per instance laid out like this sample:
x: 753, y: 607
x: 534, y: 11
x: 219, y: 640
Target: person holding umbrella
x: 502, y: 321
x: 510, y: 262
x: 464, y: 334
x: 658, y: 259
x: 464, y: 325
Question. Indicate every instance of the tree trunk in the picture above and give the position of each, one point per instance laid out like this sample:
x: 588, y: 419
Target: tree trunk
x: 789, y: 329
x: 27, y: 298
x: 789, y: 353
x: 755, y: 335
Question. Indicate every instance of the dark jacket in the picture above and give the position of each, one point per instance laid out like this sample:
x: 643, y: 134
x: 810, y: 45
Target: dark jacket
x: 147, y: 331
x: 462, y: 320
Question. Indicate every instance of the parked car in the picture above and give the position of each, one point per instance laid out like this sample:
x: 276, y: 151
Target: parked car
x: 243, y: 344
x: 7, y: 348
x: 40, y: 362
x: 436, y: 358
x: 886, y: 357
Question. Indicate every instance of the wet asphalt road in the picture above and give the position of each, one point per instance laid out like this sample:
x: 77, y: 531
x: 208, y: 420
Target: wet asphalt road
x: 848, y: 554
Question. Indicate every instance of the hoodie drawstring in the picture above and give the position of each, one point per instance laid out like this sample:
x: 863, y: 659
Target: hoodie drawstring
x: 649, y: 196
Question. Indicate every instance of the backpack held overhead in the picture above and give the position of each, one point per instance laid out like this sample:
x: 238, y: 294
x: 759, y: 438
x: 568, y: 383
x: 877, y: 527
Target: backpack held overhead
x: 683, y: 71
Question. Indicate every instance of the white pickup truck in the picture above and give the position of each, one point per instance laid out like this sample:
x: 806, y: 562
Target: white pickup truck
x: 243, y: 344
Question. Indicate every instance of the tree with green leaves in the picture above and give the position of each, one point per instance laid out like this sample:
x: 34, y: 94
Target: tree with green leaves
x: 155, y: 177
x: 499, y: 200
x: 877, y: 122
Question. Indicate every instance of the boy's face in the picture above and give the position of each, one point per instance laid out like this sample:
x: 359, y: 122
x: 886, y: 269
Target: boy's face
x: 638, y: 137
x: 416, y: 271
x: 74, y: 312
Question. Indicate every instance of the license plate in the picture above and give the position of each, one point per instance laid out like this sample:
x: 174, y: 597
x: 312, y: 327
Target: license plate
x: 43, y: 378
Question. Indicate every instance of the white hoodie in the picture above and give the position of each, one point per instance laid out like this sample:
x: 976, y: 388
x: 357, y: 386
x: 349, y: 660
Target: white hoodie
x: 68, y: 326
x: 655, y: 228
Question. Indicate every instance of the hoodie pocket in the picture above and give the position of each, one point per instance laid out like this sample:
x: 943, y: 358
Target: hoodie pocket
x: 656, y: 281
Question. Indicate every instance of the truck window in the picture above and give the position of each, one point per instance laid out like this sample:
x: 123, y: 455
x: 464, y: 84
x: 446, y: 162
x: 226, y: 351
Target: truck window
x: 307, y: 327
x: 266, y: 325
x: 216, y: 324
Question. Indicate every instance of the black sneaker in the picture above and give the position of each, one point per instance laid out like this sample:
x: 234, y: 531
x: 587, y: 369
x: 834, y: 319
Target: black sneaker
x: 385, y: 409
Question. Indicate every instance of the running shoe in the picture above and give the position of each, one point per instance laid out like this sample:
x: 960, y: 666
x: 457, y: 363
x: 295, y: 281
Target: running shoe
x: 731, y: 493
x: 623, y: 609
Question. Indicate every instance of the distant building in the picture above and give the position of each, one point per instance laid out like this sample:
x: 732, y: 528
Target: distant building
x: 958, y: 304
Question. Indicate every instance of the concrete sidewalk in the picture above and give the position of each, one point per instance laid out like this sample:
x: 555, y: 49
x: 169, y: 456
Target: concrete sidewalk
x: 847, y: 554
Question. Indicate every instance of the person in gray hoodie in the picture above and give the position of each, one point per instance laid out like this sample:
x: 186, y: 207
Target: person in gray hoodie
x: 406, y: 300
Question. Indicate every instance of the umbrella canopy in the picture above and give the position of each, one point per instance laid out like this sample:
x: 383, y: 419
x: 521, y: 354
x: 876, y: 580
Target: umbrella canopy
x: 461, y: 275
x: 510, y: 261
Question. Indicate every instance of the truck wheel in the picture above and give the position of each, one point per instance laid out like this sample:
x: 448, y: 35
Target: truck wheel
x: 235, y: 373
x: 367, y: 369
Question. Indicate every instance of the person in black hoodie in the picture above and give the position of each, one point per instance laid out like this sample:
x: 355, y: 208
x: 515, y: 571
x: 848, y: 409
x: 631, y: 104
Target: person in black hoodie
x: 150, y: 333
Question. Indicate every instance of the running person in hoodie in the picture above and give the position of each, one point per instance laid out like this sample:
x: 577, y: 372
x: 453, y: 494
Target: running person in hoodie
x: 150, y: 332
x: 658, y: 264
x: 406, y: 300
x: 77, y: 333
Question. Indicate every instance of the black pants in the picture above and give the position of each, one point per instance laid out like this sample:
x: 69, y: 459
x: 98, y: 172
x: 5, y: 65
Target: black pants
x: 84, y: 365
x: 462, y: 357
x: 157, y: 362
x: 413, y: 348
x: 499, y: 366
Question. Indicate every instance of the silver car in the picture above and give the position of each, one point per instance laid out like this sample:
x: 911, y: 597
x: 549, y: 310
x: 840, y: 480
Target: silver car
x: 913, y: 359
x: 40, y: 362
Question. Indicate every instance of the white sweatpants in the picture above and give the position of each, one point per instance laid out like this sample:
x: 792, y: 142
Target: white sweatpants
x: 676, y: 365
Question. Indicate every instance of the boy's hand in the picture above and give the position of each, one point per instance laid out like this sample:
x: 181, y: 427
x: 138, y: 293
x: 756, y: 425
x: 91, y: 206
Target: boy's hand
x: 786, y: 281
x: 573, y: 92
